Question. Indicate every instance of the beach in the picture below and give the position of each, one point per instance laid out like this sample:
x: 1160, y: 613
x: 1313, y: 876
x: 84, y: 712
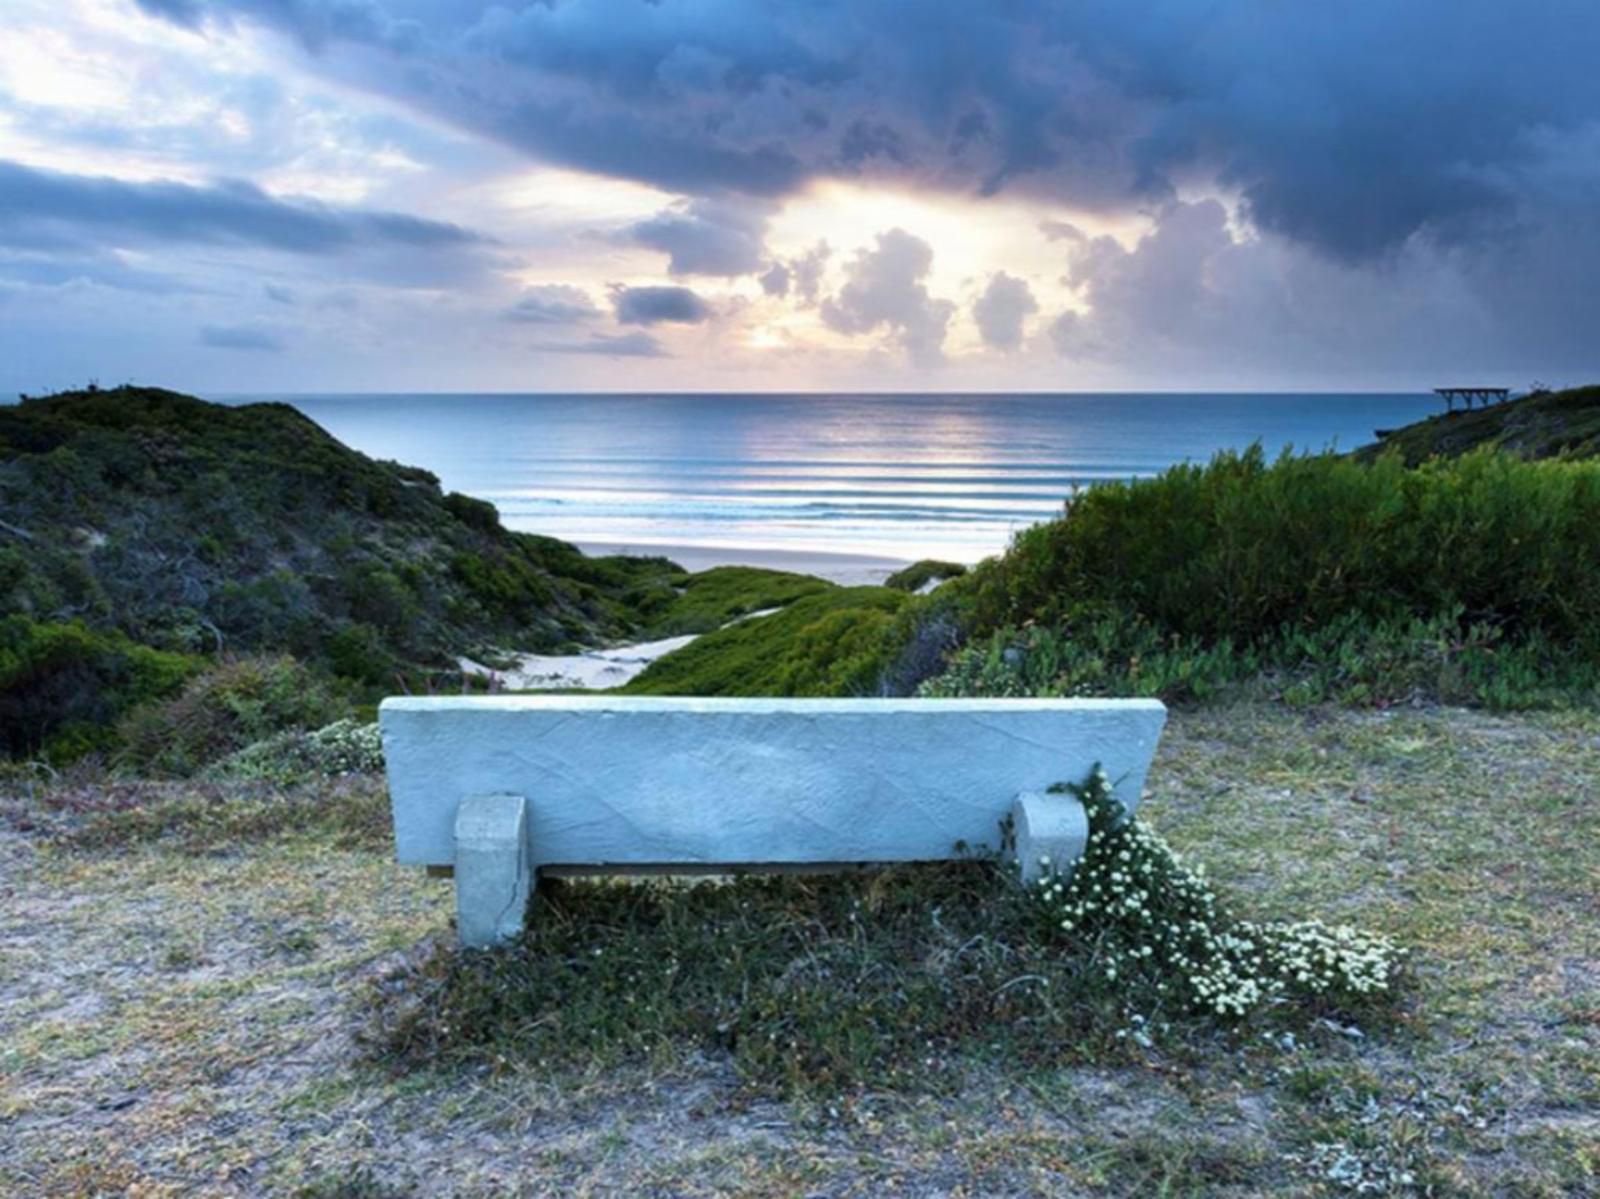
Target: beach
x: 848, y: 570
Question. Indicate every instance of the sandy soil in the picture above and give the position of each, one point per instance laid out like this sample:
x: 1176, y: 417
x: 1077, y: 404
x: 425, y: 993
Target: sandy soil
x: 592, y: 669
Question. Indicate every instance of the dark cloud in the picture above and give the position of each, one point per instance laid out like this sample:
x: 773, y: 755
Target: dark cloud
x: 775, y: 280
x: 1001, y: 310
x: 242, y: 337
x: 1348, y: 127
x: 553, y: 304
x: 707, y: 237
x: 802, y: 275
x: 87, y: 266
x: 1195, y: 303
x: 278, y: 295
x: 808, y: 270
x: 607, y: 345
x: 884, y: 288
x: 41, y: 208
x: 657, y: 305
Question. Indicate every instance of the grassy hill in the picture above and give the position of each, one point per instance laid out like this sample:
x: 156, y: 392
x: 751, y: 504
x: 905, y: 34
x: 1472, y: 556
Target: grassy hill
x: 1546, y: 424
x: 193, y: 527
x: 146, y: 535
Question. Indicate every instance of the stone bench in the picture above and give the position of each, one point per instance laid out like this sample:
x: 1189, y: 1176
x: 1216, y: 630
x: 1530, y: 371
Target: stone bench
x: 498, y: 788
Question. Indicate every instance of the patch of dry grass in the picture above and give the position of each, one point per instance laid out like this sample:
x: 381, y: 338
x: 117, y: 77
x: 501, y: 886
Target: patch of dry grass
x: 181, y: 1015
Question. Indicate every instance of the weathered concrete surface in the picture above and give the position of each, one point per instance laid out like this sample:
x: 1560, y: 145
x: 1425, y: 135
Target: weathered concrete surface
x: 494, y: 874
x: 1051, y: 833
x: 617, y: 781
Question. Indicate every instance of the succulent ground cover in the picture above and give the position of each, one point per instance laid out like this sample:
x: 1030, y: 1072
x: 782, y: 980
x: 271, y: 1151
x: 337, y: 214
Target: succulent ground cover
x: 198, y: 982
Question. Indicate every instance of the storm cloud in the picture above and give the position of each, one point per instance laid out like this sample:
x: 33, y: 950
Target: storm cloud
x: 1001, y: 310
x: 1347, y: 127
x: 659, y: 305
x: 553, y: 304
x: 707, y: 237
x: 38, y: 205
x: 242, y: 337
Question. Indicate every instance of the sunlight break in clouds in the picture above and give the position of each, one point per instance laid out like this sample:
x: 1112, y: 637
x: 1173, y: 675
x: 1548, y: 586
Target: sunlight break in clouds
x: 621, y: 194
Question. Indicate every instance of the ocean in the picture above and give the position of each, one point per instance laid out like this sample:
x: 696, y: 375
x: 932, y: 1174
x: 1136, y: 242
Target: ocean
x: 902, y: 476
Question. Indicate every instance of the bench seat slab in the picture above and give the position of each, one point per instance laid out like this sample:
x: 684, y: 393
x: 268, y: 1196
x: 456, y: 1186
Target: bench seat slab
x: 615, y: 782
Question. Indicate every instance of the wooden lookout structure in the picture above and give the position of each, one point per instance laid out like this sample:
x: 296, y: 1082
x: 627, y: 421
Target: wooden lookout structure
x: 1467, y: 395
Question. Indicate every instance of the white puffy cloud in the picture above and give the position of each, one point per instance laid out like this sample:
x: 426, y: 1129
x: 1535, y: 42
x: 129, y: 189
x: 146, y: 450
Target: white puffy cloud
x: 1001, y: 310
x: 884, y: 289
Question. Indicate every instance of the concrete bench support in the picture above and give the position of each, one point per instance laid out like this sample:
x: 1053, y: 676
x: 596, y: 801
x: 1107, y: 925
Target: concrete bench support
x: 1050, y: 833
x: 493, y: 868
x: 500, y: 787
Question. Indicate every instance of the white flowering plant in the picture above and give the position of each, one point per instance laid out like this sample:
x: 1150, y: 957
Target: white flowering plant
x: 1150, y: 924
x: 342, y: 748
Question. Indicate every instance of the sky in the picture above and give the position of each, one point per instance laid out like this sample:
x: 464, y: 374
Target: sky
x: 244, y: 196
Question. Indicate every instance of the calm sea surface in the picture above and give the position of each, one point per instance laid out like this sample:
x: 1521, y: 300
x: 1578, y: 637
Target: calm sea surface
x: 904, y: 475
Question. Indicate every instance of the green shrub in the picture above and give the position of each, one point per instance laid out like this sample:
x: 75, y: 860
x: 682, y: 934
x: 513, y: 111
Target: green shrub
x: 63, y: 686
x: 506, y: 586
x: 840, y: 641
x: 475, y: 513
x: 919, y: 574
x: 1350, y: 660
x: 358, y: 652
x: 221, y: 711
x: 1244, y: 549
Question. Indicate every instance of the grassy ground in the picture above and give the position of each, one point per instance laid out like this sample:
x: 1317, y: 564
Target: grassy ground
x: 177, y: 1017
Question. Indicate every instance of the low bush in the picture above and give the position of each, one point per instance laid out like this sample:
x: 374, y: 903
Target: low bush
x: 333, y: 751
x: 1244, y: 549
x: 1349, y: 660
x: 478, y: 514
x: 64, y: 685
x: 219, y: 712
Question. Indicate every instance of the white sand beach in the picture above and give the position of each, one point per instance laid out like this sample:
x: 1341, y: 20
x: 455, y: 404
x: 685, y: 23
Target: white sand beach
x: 849, y: 570
x: 592, y: 669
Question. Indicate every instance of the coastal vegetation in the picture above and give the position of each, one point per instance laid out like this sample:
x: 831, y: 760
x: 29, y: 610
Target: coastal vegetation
x: 832, y: 642
x: 150, y: 537
x: 1541, y: 424
x: 1473, y: 579
x: 712, y: 598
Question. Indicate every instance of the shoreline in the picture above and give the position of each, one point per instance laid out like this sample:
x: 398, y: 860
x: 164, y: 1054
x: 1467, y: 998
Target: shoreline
x: 846, y: 569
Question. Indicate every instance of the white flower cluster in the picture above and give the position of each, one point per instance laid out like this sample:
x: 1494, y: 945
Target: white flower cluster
x: 1142, y: 914
x: 1316, y: 958
x: 343, y: 747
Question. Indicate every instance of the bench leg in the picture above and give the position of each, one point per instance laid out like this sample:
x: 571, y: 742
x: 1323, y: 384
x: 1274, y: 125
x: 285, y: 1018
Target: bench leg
x: 494, y: 874
x: 1051, y: 833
